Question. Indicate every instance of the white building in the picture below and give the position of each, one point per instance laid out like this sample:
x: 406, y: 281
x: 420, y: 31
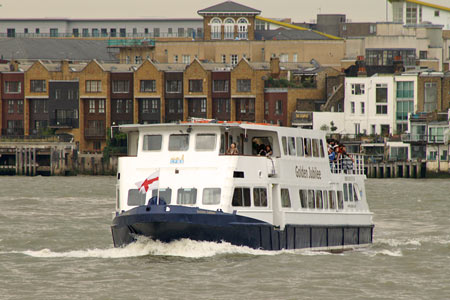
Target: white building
x: 412, y: 12
x: 379, y: 104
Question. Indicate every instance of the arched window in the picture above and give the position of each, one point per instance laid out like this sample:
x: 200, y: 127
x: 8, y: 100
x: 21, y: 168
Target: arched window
x: 243, y: 29
x: 216, y: 29
x: 229, y: 29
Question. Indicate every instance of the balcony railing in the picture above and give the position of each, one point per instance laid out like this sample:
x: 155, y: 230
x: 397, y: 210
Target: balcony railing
x: 410, y: 137
x: 95, y: 132
x: 131, y: 42
x: 63, y: 122
x: 13, y: 131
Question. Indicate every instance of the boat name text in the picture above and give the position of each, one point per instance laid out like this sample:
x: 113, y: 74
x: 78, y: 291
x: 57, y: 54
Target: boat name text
x: 310, y: 172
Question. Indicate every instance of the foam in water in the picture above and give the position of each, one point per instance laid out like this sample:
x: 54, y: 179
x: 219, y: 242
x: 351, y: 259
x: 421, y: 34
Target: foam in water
x: 181, y: 248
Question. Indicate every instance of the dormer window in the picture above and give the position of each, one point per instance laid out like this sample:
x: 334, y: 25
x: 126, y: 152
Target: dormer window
x: 229, y: 29
x: 216, y: 25
x: 243, y: 29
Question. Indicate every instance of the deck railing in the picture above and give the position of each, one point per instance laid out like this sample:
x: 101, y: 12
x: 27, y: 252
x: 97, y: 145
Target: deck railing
x: 352, y: 164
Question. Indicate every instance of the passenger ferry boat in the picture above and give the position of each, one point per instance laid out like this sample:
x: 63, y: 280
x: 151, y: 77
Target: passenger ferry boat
x: 179, y: 182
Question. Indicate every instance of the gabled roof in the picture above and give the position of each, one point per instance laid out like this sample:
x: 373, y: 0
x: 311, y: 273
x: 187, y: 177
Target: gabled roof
x: 228, y: 7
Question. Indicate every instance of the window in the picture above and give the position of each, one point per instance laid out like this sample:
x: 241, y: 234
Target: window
x: 430, y: 104
x: 279, y: 107
x: 164, y: 194
x: 311, y: 199
x: 186, y: 59
x: 332, y: 199
x: 325, y: 199
x: 352, y: 107
x: 358, y: 89
x: 381, y: 99
x: 175, y: 58
x: 224, y: 59
x: 397, y: 12
x: 244, y: 85
x: 220, y: 86
x: 152, y: 142
x: 93, y: 86
x: 307, y: 142
x: 95, y: 32
x: 284, y: 57
x: 285, y: 199
x: 196, y: 85
x: 423, y: 54
x: 101, y: 106
x: 241, y: 197
x: 300, y: 147
x: 121, y: 86
x: 345, y: 188
x: 372, y: 28
x: 340, y: 200
x: 303, y: 194
x: 403, y: 109
x: 242, y: 29
x: 38, y: 86
x: 315, y: 147
x: 260, y: 196
x: 135, y: 197
x: 205, y: 142
x: 37, y: 31
x: 173, y: 86
x: 10, y: 106
x: 363, y: 108
x: 234, y: 59
x: 294, y: 57
x: 119, y: 104
x: 211, y: 196
x: 91, y: 106
x: 436, y: 13
x: 180, y: 32
x: 154, y: 106
x: 229, y: 29
x: 411, y: 13
x: 138, y: 59
x: 156, y: 32
x: 179, y: 142
x: 291, y: 146
x: 319, y: 200
x: 187, y: 196
x: 13, y: 87
x: 53, y: 32
x: 72, y: 94
x: 148, y: 86
x: 436, y: 134
x: 405, y: 89
x: 216, y: 29
x: 104, y: 32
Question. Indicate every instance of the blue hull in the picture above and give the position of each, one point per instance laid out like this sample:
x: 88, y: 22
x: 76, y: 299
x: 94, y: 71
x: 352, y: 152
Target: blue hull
x: 180, y: 222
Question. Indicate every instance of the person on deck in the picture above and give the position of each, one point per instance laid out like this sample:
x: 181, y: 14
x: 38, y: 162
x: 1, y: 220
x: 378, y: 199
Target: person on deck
x: 233, y: 149
x: 269, y: 151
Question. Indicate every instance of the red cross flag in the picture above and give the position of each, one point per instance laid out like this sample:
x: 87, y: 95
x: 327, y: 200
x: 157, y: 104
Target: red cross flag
x: 151, y: 182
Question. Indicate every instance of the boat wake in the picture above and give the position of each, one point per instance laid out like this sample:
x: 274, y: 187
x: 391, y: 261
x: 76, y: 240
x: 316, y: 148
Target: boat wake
x: 181, y: 248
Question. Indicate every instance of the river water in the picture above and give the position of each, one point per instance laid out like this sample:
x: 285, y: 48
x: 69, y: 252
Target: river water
x: 55, y: 243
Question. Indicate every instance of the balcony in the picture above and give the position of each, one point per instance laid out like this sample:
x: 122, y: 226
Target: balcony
x: 63, y: 123
x: 95, y: 133
x: 13, y: 132
x: 414, y: 138
x: 123, y: 43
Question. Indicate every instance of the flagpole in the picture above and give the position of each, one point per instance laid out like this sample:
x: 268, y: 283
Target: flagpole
x: 157, y: 193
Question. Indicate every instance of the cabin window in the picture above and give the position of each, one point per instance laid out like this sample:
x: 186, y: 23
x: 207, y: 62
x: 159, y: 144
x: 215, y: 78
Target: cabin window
x: 135, y: 197
x: 291, y: 145
x: 285, y: 199
x: 340, y: 200
x: 322, y: 151
x: 259, y: 145
x: 179, y: 142
x: 332, y: 199
x: 222, y: 144
x: 205, y: 142
x: 307, y: 146
x: 303, y: 198
x: 325, y: 199
x: 241, y: 197
x: 187, y: 196
x: 300, y: 147
x: 311, y: 201
x: 319, y: 200
x: 164, y: 194
x: 152, y: 142
x: 259, y: 197
x: 356, y: 192
x: 284, y: 143
x: 345, y: 188
x: 315, y: 147
x: 350, y: 192
x: 211, y: 196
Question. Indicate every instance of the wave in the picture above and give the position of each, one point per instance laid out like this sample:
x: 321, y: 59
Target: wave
x: 399, y: 242
x: 394, y: 253
x: 181, y: 248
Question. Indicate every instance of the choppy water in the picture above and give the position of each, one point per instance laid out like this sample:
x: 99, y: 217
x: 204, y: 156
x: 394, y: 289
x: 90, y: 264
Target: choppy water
x: 55, y: 243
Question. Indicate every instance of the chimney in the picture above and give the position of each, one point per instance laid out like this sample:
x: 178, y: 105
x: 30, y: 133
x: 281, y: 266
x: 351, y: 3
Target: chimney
x: 398, y: 65
x: 361, y: 65
x: 65, y: 68
x: 13, y: 66
x: 275, y: 67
